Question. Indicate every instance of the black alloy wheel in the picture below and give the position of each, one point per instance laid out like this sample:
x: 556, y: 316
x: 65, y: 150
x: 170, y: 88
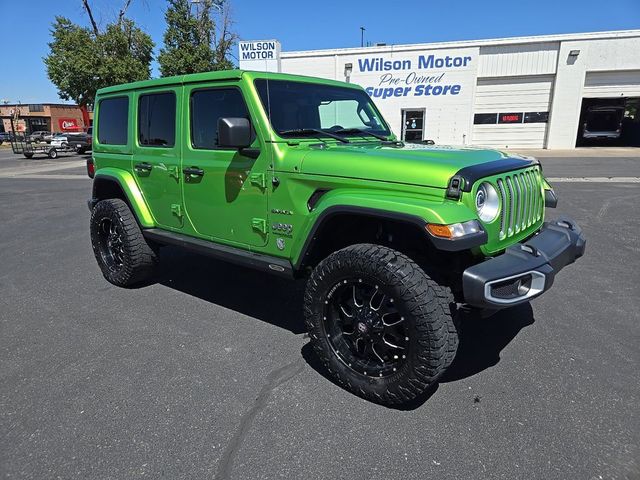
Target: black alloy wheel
x: 365, y: 328
x: 110, y: 244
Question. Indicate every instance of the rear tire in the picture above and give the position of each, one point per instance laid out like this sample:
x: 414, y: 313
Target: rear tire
x: 28, y: 155
x: 124, y: 256
x: 53, y: 153
x: 405, y: 337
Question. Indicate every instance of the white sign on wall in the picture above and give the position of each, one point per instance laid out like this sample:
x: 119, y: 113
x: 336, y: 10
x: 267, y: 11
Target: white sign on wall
x: 260, y: 55
x: 441, y: 82
x: 439, y: 75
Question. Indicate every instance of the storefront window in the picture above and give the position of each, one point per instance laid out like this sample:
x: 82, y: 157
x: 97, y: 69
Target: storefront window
x: 485, y: 118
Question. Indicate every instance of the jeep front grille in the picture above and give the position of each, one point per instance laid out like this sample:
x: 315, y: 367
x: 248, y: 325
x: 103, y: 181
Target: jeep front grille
x: 522, y: 201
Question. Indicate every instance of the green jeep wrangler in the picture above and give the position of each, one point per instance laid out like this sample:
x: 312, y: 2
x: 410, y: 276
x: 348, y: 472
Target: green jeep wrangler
x: 302, y: 177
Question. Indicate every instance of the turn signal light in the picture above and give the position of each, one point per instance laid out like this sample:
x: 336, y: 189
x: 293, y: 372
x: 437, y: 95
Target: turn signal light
x: 439, y: 230
x: 454, y: 230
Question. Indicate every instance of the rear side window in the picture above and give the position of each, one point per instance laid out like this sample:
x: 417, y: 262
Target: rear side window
x: 113, y: 118
x: 157, y: 120
x: 207, y: 106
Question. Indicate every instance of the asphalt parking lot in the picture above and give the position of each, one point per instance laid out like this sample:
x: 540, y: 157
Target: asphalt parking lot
x: 207, y: 373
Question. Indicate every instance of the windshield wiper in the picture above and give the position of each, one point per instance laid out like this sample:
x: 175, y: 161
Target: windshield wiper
x: 309, y: 131
x: 385, y: 140
x: 346, y: 131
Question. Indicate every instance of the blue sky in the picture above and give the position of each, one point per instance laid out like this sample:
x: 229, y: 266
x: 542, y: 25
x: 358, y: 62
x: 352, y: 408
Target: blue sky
x: 303, y: 25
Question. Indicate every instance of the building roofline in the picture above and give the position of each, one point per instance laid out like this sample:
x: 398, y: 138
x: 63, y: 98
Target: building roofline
x: 45, y: 104
x: 464, y: 43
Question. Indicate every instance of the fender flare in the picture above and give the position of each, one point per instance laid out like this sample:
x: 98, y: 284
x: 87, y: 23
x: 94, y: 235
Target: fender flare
x: 330, y: 212
x: 130, y: 189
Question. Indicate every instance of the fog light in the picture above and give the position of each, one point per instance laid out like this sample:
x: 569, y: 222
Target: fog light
x: 524, y: 285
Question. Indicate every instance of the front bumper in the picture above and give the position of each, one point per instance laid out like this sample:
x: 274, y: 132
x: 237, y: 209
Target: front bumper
x: 525, y: 270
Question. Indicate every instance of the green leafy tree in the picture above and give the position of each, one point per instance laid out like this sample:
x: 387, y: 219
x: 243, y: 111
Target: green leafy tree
x: 83, y: 59
x: 193, y: 42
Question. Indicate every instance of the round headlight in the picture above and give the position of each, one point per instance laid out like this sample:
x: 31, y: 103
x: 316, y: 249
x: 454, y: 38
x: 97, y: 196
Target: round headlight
x: 487, y: 202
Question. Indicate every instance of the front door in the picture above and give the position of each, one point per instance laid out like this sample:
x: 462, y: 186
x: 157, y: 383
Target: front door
x: 225, y: 190
x: 156, y: 153
x: 412, y: 125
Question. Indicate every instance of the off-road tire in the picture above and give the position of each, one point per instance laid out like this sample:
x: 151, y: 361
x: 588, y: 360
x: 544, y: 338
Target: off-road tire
x: 455, y: 333
x: 138, y: 258
x: 430, y: 309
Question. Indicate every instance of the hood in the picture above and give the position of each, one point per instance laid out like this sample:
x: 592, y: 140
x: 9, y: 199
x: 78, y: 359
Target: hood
x: 412, y: 164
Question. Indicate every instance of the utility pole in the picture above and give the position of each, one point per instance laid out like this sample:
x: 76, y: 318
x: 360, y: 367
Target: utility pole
x: 196, y: 8
x: 362, y: 29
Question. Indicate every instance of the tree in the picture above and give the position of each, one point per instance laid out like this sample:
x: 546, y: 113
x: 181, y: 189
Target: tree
x: 83, y: 59
x: 193, y: 42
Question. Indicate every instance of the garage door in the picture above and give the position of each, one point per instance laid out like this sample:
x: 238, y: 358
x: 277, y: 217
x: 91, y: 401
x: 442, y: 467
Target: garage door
x: 612, y: 84
x: 512, y: 112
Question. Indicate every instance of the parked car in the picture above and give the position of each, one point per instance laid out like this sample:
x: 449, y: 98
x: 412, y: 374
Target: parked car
x: 302, y: 177
x: 59, y: 141
x: 81, y: 141
x: 5, y: 137
x: 41, y: 136
x: 603, y: 122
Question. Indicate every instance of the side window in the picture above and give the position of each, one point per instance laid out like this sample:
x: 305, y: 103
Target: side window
x: 113, y: 121
x: 207, y: 106
x: 157, y: 120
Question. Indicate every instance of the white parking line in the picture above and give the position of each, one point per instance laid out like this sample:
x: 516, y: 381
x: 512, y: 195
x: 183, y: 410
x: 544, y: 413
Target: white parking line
x: 20, y: 171
x: 46, y: 177
x: 594, y: 179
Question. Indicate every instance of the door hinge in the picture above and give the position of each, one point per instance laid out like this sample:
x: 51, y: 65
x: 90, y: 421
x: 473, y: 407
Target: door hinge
x: 176, y: 209
x: 258, y: 179
x: 259, y: 224
x: 174, y: 172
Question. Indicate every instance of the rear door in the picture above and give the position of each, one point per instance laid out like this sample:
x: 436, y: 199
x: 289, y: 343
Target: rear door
x: 156, y: 153
x: 228, y: 200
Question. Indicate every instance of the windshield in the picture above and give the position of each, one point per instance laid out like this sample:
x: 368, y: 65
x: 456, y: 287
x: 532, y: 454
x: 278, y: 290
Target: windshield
x: 296, y: 108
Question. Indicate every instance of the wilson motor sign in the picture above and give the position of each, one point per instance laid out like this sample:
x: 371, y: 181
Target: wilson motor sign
x: 260, y: 55
x: 438, y: 74
x: 441, y: 83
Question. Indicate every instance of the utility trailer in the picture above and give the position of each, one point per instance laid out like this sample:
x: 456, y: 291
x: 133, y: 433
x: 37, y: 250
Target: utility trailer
x: 21, y: 144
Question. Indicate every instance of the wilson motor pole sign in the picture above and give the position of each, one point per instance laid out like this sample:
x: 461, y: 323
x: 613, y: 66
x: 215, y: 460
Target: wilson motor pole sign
x: 259, y: 55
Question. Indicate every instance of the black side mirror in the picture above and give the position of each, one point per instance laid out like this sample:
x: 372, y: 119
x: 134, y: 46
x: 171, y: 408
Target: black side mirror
x: 234, y: 132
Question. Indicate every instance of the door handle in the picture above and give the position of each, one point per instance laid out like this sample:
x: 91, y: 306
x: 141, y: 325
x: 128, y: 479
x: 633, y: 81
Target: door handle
x: 145, y: 167
x: 193, y: 171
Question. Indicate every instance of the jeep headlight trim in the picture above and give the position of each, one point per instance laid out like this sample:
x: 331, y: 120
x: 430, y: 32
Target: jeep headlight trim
x: 487, y: 202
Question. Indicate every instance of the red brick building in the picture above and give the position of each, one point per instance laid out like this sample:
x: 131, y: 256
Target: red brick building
x: 50, y: 117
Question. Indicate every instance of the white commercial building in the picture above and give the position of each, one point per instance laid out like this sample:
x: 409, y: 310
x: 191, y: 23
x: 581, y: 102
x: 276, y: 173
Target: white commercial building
x: 550, y: 91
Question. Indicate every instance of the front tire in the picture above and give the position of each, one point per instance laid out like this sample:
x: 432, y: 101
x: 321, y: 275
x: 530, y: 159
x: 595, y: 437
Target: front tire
x: 380, y: 325
x: 124, y: 256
